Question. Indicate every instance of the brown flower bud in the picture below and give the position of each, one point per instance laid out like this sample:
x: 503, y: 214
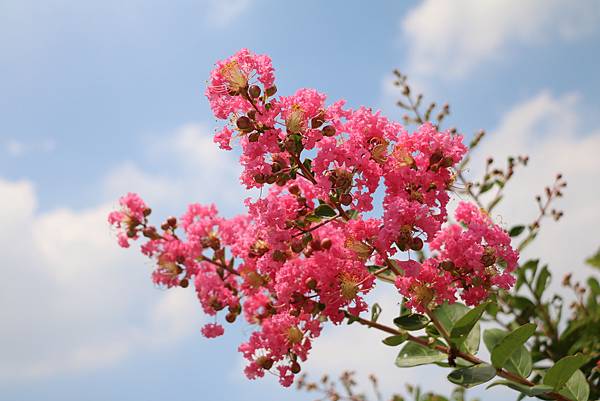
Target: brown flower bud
x: 172, y: 221
x: 297, y: 245
x: 295, y: 368
x: 271, y: 91
x: 230, y: 317
x: 294, y: 189
x: 416, y: 244
x: 253, y: 137
x: 254, y: 91
x: 311, y: 284
x: 184, y: 283
x: 264, y: 362
x: 328, y: 130
x: 326, y: 243
x: 243, y: 123
x: 346, y: 199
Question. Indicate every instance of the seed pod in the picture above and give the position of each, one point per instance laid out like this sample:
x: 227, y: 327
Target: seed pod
x: 254, y: 91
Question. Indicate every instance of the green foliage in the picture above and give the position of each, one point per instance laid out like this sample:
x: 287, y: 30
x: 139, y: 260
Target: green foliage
x: 411, y: 322
x: 511, y: 343
x: 562, y: 371
x: 472, y: 375
x: 413, y: 354
x: 519, y: 361
x: 394, y: 341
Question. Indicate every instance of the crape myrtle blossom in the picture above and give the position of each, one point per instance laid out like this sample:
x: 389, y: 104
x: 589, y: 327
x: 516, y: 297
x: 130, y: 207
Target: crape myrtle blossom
x: 304, y: 254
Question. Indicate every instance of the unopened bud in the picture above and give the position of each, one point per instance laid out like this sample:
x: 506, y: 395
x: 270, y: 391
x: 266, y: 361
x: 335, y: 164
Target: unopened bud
x: 184, y: 283
x: 297, y: 246
x: 243, y: 123
x: 326, y: 243
x: 264, y: 362
x: 329, y: 130
x: 147, y: 211
x: 346, y: 199
x: 172, y: 221
x: 295, y: 368
x: 416, y: 244
x: 271, y: 91
x: 253, y: 137
x: 294, y: 189
x: 254, y: 91
x: 295, y: 335
x: 311, y: 283
x: 230, y: 317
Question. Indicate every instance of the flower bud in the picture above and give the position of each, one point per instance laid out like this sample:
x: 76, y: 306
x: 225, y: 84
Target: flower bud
x: 346, y: 199
x: 328, y: 130
x: 172, y: 221
x: 297, y: 245
x: 259, y: 178
x: 295, y: 367
x: 253, y: 137
x: 294, y: 189
x: 279, y: 256
x: 315, y: 245
x: 230, y: 317
x: 184, y: 283
x: 251, y: 114
x: 295, y: 335
x: 147, y: 212
x: 243, y: 123
x: 311, y: 284
x: 254, y: 91
x: 264, y: 362
x: 326, y: 243
x: 271, y: 91
x: 416, y: 244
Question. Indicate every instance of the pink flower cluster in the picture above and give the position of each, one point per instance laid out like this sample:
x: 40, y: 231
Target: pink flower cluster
x: 301, y: 255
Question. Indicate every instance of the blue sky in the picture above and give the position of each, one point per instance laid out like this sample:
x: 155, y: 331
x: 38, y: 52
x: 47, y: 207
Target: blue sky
x: 98, y: 98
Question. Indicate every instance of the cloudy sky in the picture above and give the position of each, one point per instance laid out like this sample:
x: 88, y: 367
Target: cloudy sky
x: 102, y: 97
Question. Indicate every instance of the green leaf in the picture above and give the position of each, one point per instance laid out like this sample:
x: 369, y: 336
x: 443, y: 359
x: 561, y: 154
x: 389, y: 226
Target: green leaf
x: 313, y: 219
x: 519, y: 361
x: 413, y: 354
x: 449, y: 314
x: 462, y: 328
x: 510, y: 343
x: 542, y: 282
x: 375, y: 312
x: 562, y: 370
x: 411, y: 322
x: 577, y: 387
x: 394, y: 341
x: 472, y: 375
x: 516, y: 230
x: 594, y: 260
x: 386, y: 275
x: 527, y: 390
x: 352, y: 214
x: 486, y: 187
x: 325, y: 211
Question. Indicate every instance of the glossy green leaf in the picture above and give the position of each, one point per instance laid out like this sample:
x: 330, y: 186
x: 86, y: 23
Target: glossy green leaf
x: 519, y: 361
x: 463, y: 326
x: 375, y: 312
x: 394, y: 341
x: 542, y: 282
x: 411, y: 322
x: 413, y: 354
x: 502, y: 352
x: 472, y: 375
x: 576, y: 388
x: 449, y: 314
x: 516, y: 230
x: 562, y: 370
x: 325, y: 210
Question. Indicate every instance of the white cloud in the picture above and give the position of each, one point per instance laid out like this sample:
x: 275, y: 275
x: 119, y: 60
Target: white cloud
x: 206, y: 173
x: 451, y: 38
x: 550, y: 130
x: 68, y: 302
x: 72, y: 299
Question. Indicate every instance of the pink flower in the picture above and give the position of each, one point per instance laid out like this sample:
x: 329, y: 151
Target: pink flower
x: 212, y: 330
